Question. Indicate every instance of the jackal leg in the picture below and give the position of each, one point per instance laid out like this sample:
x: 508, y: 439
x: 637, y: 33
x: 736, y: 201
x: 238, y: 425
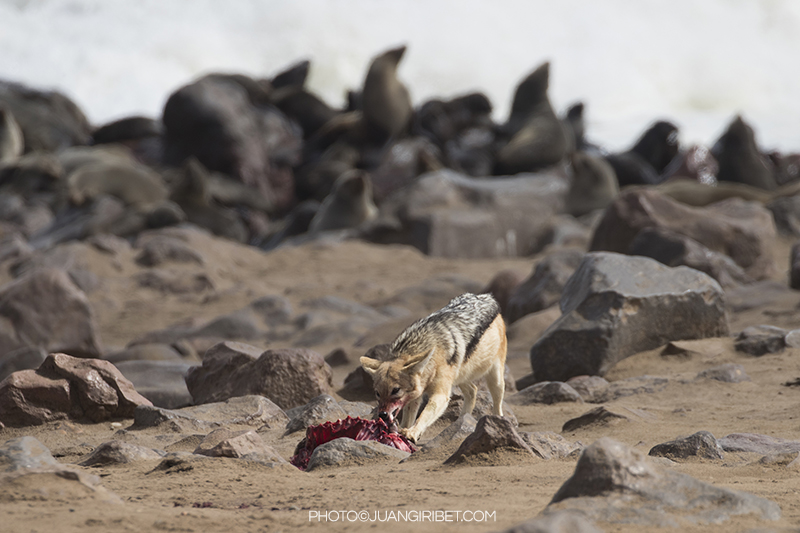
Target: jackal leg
x: 468, y: 390
x: 497, y: 386
x: 410, y: 412
x: 437, y: 403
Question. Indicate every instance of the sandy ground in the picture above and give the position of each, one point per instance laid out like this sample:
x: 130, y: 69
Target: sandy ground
x: 234, y: 495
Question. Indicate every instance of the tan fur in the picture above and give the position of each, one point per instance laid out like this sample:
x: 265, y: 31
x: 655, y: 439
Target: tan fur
x: 431, y: 374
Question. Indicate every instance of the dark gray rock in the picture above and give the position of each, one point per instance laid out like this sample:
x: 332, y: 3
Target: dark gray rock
x: 753, y: 442
x: 447, y: 214
x: 591, y: 388
x: 337, y: 357
x: 615, y: 306
x: 288, y: 377
x: 344, y: 451
x: 673, y: 249
x: 161, y: 382
x: 546, y: 392
x: 727, y: 373
x: 323, y: 408
x: 117, y: 452
x: 742, y: 230
x: 701, y: 444
x: 544, y: 286
x: 761, y: 340
x: 617, y: 484
x: 556, y: 522
x: 491, y: 433
x: 25, y: 358
x: 599, y: 416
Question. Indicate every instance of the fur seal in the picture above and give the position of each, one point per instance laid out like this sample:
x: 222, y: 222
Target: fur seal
x: 349, y: 204
x: 12, y: 143
x: 647, y: 160
x: 594, y: 184
x: 127, y: 129
x: 739, y: 159
x: 136, y: 185
x: 537, y: 137
x: 385, y: 100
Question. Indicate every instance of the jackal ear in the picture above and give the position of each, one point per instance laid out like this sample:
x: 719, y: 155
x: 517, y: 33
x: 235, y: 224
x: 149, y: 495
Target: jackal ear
x: 418, y: 365
x: 370, y: 365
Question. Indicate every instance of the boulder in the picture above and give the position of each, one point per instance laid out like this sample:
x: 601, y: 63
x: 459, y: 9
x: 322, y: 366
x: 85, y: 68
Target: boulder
x: 161, y: 382
x: 560, y: 522
x: 67, y: 387
x: 701, y: 444
x: 446, y: 214
x: 288, y: 377
x: 546, y: 392
x: 491, y: 433
x: 247, y: 410
x: 615, y: 306
x: 345, y: 451
x: 224, y: 442
x: 619, y: 485
x: 549, y: 444
x: 744, y: 231
x: 761, y: 340
x: 118, y: 452
x: 447, y: 442
x: 755, y: 443
x: 543, y: 287
x: 46, y: 309
x: 323, y: 408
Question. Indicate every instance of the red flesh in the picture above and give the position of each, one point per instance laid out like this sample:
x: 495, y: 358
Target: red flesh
x: 354, y: 428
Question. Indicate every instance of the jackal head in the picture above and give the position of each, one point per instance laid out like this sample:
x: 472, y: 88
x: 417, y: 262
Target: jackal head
x: 396, y: 382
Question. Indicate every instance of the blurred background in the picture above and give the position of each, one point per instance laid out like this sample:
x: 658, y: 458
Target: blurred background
x: 632, y: 62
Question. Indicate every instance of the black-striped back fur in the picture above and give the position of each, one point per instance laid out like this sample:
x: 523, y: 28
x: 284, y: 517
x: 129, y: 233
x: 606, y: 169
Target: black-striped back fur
x: 457, y: 327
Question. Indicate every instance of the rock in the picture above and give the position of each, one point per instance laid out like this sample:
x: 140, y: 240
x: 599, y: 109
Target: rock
x: 288, y: 377
x: 173, y: 282
x: 67, y: 387
x: 701, y: 444
x: 483, y: 407
x: 159, y: 249
x: 615, y: 306
x: 447, y: 441
x: 225, y: 442
x: 591, y: 388
x: 674, y: 249
x: 543, y: 287
x: 29, y: 472
x: 727, y: 373
x: 761, y: 340
x: 549, y: 444
x: 323, y: 408
x: 337, y: 357
x: 247, y: 410
x: 786, y: 212
x: 345, y: 451
x: 599, y: 416
x: 46, y: 309
x: 491, y: 433
x: 502, y: 287
x: 558, y: 522
x: 161, y: 352
x: 524, y: 333
x: 445, y: 214
x: 25, y: 358
x: 117, y: 452
x: 546, y: 392
x: 742, y: 230
x: 616, y: 484
x: 755, y: 443
x: 161, y: 382
x: 630, y: 387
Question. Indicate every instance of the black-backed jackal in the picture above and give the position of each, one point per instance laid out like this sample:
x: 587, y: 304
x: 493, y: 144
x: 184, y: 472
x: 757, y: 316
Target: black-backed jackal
x: 457, y: 345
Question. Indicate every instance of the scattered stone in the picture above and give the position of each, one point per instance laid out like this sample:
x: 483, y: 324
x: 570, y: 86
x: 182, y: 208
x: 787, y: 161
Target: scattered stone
x: 24, y: 459
x: 224, y: 442
x: 591, y: 388
x: 779, y: 459
x: 761, y: 340
x: 491, y: 433
x: 159, y: 249
x: 631, y: 387
x: 556, y: 522
x: 248, y: 410
x: 615, y: 306
x: 288, y: 377
x: 544, y: 286
x: 117, y: 452
x: 727, y: 373
x: 549, y: 444
x: 337, y: 357
x: 701, y: 444
x: 742, y: 230
x: 161, y: 382
x: 762, y: 444
x: 46, y: 309
x: 345, y: 451
x: 447, y: 442
x: 546, y: 392
x: 323, y: 408
x: 617, y: 484
x: 599, y: 416
x: 67, y: 387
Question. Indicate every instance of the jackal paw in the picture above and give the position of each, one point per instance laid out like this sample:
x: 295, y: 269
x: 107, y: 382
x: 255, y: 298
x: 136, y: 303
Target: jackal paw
x: 409, y: 434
